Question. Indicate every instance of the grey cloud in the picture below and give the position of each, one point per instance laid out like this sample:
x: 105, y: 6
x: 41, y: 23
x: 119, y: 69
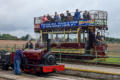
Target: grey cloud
x: 17, y: 15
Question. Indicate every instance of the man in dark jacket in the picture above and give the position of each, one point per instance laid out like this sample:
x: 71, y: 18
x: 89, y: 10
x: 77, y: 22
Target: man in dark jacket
x: 29, y: 45
x: 69, y: 16
x: 17, y: 61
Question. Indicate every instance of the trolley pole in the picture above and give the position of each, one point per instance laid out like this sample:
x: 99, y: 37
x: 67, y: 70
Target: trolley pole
x: 64, y: 35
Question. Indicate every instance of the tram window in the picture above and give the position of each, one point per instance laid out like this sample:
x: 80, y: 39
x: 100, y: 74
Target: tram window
x: 84, y: 36
x: 49, y: 36
x: 38, y: 39
x: 81, y: 37
x: 68, y: 38
x: 61, y: 38
x: 54, y: 38
x: 57, y: 38
x: 73, y: 37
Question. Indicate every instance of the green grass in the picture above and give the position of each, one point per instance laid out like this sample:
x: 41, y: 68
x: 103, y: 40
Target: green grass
x: 113, y: 60
x: 110, y: 60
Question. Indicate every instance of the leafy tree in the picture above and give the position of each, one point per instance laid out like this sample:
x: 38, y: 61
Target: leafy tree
x: 27, y: 37
x: 8, y: 37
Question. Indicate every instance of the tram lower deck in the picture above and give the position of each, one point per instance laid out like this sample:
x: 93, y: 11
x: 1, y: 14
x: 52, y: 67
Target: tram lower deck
x: 77, y: 51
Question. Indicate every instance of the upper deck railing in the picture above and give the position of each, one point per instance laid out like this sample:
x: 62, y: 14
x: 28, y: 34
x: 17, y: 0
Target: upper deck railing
x: 94, y: 18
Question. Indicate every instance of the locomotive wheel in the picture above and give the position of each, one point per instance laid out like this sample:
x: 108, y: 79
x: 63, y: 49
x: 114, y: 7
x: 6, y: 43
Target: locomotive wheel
x: 48, y: 59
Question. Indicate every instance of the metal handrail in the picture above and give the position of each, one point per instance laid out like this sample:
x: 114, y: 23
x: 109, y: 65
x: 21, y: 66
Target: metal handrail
x: 99, y: 16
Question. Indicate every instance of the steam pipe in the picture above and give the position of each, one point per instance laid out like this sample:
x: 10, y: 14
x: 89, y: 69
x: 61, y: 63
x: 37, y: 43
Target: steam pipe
x: 48, y: 45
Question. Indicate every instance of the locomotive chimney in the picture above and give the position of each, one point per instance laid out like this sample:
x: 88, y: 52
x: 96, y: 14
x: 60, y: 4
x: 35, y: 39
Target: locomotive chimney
x: 48, y: 45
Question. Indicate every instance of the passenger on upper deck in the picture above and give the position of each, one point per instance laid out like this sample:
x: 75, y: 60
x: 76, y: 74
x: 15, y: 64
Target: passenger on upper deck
x: 44, y: 19
x: 50, y: 19
x: 69, y: 17
x: 77, y: 15
x: 56, y: 17
x: 86, y: 15
x: 63, y: 18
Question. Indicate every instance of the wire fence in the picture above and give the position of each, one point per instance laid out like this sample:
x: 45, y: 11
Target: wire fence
x: 12, y: 48
x: 110, y: 57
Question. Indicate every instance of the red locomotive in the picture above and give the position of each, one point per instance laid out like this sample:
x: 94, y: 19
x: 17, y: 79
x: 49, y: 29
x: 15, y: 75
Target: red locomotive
x: 35, y: 61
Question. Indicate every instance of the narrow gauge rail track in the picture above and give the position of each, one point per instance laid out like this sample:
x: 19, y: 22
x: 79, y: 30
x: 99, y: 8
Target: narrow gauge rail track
x: 93, y: 63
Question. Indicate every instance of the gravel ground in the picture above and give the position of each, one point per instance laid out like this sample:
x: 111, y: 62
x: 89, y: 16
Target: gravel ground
x: 115, y: 70
x: 11, y: 76
x: 4, y: 79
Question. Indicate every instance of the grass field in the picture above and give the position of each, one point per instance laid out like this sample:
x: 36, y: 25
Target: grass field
x: 113, y: 48
x: 10, y: 44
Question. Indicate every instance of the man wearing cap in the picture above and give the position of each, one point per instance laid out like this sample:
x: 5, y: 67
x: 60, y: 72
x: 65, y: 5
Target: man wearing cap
x: 17, y: 61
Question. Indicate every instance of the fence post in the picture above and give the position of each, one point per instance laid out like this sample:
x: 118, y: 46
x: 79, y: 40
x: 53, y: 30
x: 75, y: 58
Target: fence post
x: 12, y: 49
x: 23, y: 46
x: 15, y: 47
x: 60, y: 58
x: 96, y: 57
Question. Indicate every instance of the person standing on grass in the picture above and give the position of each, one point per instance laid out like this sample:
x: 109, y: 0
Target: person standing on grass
x: 17, y: 61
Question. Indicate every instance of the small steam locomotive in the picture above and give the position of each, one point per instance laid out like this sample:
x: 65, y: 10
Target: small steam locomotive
x: 34, y: 61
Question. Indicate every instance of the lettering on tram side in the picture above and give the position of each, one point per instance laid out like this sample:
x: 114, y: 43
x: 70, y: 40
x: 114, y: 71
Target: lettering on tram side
x: 67, y: 24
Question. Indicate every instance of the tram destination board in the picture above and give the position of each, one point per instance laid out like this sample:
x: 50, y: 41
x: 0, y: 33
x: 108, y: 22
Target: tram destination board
x: 67, y: 24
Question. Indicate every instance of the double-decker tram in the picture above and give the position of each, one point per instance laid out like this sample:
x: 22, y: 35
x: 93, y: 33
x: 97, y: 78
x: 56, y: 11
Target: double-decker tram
x: 82, y: 38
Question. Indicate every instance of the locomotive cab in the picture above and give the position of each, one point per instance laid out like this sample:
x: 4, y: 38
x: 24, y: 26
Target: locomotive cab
x: 39, y: 61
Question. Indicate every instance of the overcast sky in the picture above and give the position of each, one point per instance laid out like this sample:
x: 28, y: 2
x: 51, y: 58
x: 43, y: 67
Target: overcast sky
x: 16, y: 16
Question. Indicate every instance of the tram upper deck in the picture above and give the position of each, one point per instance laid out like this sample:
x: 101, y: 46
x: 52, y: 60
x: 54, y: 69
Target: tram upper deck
x: 98, y: 19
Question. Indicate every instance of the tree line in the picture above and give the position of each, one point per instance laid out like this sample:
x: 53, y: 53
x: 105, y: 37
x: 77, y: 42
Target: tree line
x: 112, y: 40
x: 26, y: 37
x: 11, y: 37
